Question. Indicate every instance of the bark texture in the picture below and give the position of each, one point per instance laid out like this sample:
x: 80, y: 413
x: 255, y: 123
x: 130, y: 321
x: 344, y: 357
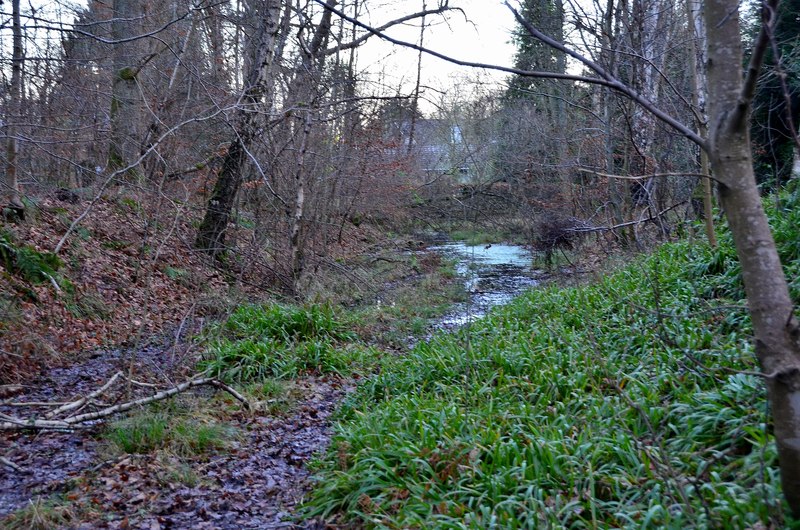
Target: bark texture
x: 12, y: 116
x: 257, y: 99
x: 126, y: 101
x: 697, y: 62
x: 771, y: 309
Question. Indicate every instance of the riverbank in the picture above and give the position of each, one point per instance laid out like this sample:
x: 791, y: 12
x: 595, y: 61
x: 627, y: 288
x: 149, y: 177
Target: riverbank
x: 632, y: 402
x: 201, y: 460
x: 628, y: 403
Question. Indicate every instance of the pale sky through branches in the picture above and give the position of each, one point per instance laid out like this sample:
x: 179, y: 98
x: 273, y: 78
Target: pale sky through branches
x: 481, y: 34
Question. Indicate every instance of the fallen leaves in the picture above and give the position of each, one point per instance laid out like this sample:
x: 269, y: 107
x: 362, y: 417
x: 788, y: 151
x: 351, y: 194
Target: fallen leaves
x: 255, y: 483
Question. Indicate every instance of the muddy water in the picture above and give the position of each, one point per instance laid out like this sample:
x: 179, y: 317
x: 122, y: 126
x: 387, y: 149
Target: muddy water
x: 493, y: 275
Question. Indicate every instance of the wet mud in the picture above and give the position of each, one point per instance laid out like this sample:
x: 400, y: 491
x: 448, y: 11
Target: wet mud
x: 255, y: 482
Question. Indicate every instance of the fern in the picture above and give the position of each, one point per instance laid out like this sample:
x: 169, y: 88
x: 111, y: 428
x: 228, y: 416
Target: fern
x: 27, y: 262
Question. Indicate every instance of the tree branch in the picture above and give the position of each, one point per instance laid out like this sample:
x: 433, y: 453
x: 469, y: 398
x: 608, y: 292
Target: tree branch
x: 471, y: 64
x: 582, y: 230
x: 769, y: 16
x: 73, y: 422
x: 644, y: 177
x: 605, y: 78
x: 360, y: 40
x: 611, y: 81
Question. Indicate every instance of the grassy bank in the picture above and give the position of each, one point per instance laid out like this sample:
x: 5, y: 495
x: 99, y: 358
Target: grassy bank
x: 626, y: 403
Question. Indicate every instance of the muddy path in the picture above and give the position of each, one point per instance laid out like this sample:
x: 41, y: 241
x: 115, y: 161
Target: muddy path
x: 256, y: 481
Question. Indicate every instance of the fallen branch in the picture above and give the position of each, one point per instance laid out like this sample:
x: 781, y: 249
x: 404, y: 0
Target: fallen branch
x: 645, y: 177
x: 79, y: 403
x: 5, y: 461
x: 79, y: 421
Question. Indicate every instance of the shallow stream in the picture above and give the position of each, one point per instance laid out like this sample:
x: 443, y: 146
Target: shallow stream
x: 493, y: 275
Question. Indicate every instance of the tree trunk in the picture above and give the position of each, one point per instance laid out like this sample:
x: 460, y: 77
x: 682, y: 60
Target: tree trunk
x: 125, y: 98
x: 304, y: 91
x: 257, y: 97
x: 415, y: 101
x: 651, y: 19
x: 697, y: 62
x: 771, y: 309
x: 296, y: 232
x: 15, y: 203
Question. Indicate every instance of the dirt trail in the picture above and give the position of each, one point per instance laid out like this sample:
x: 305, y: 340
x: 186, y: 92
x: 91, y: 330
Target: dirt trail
x: 255, y: 482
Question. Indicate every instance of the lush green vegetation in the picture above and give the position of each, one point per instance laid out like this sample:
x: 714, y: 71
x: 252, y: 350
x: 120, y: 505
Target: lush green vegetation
x: 627, y: 403
x: 27, y: 262
x: 260, y: 342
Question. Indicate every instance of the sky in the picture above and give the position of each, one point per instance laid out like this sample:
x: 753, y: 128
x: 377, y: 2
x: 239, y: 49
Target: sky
x: 482, y: 34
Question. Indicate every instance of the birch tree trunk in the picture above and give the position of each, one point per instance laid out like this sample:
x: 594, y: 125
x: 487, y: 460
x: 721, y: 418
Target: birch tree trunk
x: 257, y: 98
x: 651, y: 20
x: 697, y: 61
x: 15, y: 203
x: 776, y: 330
x: 304, y: 105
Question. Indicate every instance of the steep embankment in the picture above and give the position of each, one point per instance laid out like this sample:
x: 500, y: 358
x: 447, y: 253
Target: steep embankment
x: 628, y: 403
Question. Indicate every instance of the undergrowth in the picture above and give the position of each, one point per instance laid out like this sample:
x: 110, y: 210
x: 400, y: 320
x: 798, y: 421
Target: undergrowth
x: 171, y: 427
x: 27, y: 262
x: 260, y: 342
x: 41, y: 514
x: 621, y: 404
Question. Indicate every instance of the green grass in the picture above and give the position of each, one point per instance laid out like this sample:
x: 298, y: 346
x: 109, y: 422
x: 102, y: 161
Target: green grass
x: 620, y: 404
x: 40, y: 514
x: 87, y: 304
x: 169, y: 428
x: 115, y: 244
x: 408, y: 310
x: 273, y: 396
x: 287, y: 323
x: 261, y: 342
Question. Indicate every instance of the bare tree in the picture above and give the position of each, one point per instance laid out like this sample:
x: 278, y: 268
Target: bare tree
x: 730, y: 93
x: 777, y: 331
x: 126, y: 104
x: 14, y: 109
x: 256, y: 100
x: 697, y: 60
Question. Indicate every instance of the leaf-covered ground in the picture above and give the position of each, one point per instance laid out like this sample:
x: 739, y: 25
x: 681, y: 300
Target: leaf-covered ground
x: 253, y: 479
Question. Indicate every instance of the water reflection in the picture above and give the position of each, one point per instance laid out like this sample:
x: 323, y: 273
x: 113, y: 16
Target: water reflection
x: 493, y: 275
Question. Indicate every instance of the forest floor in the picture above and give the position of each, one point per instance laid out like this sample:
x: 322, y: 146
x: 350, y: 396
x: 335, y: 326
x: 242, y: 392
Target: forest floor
x: 76, y: 480
x: 122, y: 300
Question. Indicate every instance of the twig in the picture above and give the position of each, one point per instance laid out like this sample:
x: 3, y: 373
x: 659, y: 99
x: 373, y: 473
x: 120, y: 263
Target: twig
x: 629, y: 223
x: 179, y: 331
x: 52, y: 281
x: 37, y: 404
x: 12, y: 465
x: 79, y: 403
x: 644, y: 177
x: 240, y: 398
